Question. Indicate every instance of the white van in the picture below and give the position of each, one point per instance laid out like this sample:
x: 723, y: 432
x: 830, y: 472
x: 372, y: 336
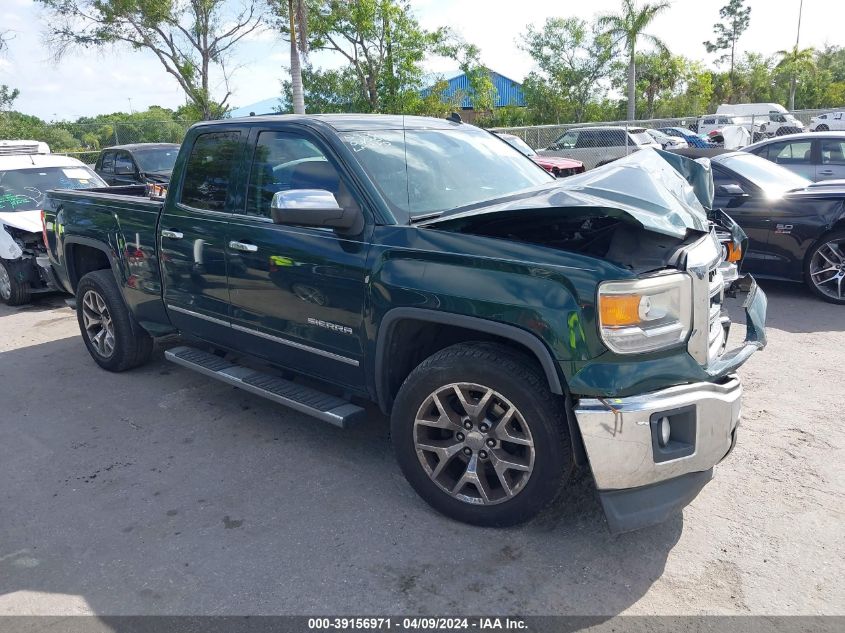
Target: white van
x: 771, y: 119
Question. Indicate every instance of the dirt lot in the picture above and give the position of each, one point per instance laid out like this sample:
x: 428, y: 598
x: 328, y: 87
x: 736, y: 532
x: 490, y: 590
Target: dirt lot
x: 159, y: 491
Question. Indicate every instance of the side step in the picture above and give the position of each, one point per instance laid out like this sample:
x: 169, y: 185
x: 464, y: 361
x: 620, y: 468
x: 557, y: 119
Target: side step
x: 304, y: 399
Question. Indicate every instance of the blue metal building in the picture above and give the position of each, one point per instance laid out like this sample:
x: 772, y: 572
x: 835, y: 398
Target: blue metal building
x: 508, y: 92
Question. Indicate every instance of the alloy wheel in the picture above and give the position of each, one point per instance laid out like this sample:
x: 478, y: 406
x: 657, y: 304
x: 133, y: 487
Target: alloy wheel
x: 5, y: 284
x: 474, y: 443
x: 827, y: 269
x: 97, y: 320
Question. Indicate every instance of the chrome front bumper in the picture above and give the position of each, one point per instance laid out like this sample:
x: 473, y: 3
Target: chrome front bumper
x: 620, y: 434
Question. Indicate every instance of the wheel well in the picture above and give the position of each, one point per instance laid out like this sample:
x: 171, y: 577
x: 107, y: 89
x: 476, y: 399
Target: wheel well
x: 411, y: 341
x: 84, y: 259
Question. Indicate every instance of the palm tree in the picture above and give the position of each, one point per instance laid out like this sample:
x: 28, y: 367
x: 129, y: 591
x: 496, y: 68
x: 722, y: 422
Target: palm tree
x: 298, y: 30
x: 628, y: 26
x: 793, y: 63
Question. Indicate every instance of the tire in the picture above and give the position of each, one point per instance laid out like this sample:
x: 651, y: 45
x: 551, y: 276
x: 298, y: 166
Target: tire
x: 824, y: 271
x: 14, y: 290
x: 539, y: 418
x: 115, y: 342
x: 822, y: 128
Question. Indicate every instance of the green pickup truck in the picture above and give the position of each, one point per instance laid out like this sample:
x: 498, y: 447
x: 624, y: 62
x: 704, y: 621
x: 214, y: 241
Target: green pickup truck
x: 512, y: 326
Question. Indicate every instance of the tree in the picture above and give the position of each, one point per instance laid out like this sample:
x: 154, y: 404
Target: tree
x: 793, y: 63
x: 735, y: 20
x: 628, y: 27
x: 383, y: 44
x: 7, y: 95
x: 656, y: 73
x: 190, y: 38
x: 292, y: 21
x: 573, y: 59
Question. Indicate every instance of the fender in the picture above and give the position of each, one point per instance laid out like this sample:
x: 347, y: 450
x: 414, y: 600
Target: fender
x: 511, y: 332
x: 100, y: 246
x: 9, y: 249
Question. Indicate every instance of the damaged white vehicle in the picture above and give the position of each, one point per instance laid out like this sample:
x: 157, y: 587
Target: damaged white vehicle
x: 27, y: 172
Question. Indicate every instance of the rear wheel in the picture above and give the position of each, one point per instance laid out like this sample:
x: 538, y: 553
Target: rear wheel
x: 113, y: 340
x: 479, y: 435
x: 824, y: 269
x: 14, y: 289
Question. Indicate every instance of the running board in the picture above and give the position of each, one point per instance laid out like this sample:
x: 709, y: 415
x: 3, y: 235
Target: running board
x: 304, y: 399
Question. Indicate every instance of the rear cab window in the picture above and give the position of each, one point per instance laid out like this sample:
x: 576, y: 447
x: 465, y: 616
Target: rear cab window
x: 209, y: 169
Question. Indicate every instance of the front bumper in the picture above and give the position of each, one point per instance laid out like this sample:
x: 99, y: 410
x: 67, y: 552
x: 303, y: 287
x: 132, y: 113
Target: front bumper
x: 640, y: 480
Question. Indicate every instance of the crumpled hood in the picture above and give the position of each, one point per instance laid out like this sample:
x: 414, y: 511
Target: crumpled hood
x: 24, y: 220
x: 663, y: 192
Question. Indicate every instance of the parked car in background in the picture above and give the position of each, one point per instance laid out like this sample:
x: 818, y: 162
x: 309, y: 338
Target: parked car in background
x: 828, y: 121
x: 771, y: 119
x: 796, y: 230
x: 666, y: 141
x: 692, y: 138
x: 555, y: 165
x: 599, y: 145
x: 814, y: 155
x: 712, y: 125
x: 137, y: 164
x: 27, y: 172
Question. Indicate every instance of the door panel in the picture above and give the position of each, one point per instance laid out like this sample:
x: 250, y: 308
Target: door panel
x: 192, y: 234
x: 296, y: 293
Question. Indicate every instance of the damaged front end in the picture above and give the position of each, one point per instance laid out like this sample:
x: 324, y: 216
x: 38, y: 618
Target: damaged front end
x: 24, y: 258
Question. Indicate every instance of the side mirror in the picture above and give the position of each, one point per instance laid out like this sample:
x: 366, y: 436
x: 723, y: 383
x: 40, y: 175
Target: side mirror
x: 314, y: 207
x: 731, y: 190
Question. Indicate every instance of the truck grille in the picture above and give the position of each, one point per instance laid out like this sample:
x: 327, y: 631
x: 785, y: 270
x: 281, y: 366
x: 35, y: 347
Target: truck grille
x: 710, y: 326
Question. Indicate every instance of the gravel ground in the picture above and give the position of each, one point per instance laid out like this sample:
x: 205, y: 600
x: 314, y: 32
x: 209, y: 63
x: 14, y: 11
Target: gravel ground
x: 159, y: 491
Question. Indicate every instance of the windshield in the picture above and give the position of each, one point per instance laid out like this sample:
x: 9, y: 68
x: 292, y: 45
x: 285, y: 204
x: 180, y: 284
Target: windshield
x: 24, y: 189
x: 642, y: 138
x: 156, y: 159
x: 771, y: 178
x: 421, y: 172
x: 519, y: 144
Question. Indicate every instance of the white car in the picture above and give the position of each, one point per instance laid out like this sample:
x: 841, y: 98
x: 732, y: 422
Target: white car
x: 828, y: 121
x: 717, y: 122
x: 666, y: 141
x: 599, y: 145
x: 27, y: 172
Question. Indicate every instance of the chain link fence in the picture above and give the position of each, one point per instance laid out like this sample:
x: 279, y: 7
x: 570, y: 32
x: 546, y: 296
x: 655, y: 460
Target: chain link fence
x: 84, y: 141
x: 598, y: 143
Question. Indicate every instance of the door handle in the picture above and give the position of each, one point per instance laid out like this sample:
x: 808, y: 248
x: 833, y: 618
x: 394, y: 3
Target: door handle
x: 173, y: 235
x: 243, y: 247
x: 826, y: 171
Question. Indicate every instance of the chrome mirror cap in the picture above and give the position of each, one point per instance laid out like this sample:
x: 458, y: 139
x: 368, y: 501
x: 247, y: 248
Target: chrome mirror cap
x: 305, y: 200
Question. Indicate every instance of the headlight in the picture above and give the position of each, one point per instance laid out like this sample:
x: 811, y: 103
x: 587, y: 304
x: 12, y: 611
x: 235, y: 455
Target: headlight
x: 644, y: 315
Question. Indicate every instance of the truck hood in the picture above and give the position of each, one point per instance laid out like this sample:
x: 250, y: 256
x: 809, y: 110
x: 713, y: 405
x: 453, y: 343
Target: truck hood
x: 660, y: 191
x: 29, y: 221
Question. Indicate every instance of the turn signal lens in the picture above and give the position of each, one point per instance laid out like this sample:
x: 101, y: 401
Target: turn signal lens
x: 618, y: 310
x: 734, y: 252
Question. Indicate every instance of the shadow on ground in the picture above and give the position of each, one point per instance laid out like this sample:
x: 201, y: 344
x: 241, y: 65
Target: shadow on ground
x: 159, y: 491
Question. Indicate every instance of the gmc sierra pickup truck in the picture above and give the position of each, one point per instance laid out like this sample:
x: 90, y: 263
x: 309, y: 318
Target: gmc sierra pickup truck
x: 512, y: 326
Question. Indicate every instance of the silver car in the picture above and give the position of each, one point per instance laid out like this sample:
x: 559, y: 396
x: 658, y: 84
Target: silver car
x: 599, y: 145
x: 814, y: 155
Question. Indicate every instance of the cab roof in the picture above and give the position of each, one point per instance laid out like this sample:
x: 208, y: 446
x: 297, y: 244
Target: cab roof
x: 348, y: 122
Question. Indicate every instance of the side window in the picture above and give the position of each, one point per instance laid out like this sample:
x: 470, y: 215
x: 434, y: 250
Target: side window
x: 568, y: 140
x: 586, y: 139
x: 123, y: 164
x: 208, y: 171
x: 833, y: 152
x: 283, y: 161
x: 108, y: 162
x: 616, y: 138
x: 708, y: 122
x: 796, y: 153
x: 837, y: 117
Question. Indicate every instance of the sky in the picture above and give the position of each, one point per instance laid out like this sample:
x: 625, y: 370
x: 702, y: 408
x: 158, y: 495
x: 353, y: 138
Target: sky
x: 89, y: 82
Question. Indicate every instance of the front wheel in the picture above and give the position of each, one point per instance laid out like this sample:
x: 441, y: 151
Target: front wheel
x: 14, y: 289
x: 825, y: 268
x: 113, y: 340
x: 822, y: 128
x: 480, y: 437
